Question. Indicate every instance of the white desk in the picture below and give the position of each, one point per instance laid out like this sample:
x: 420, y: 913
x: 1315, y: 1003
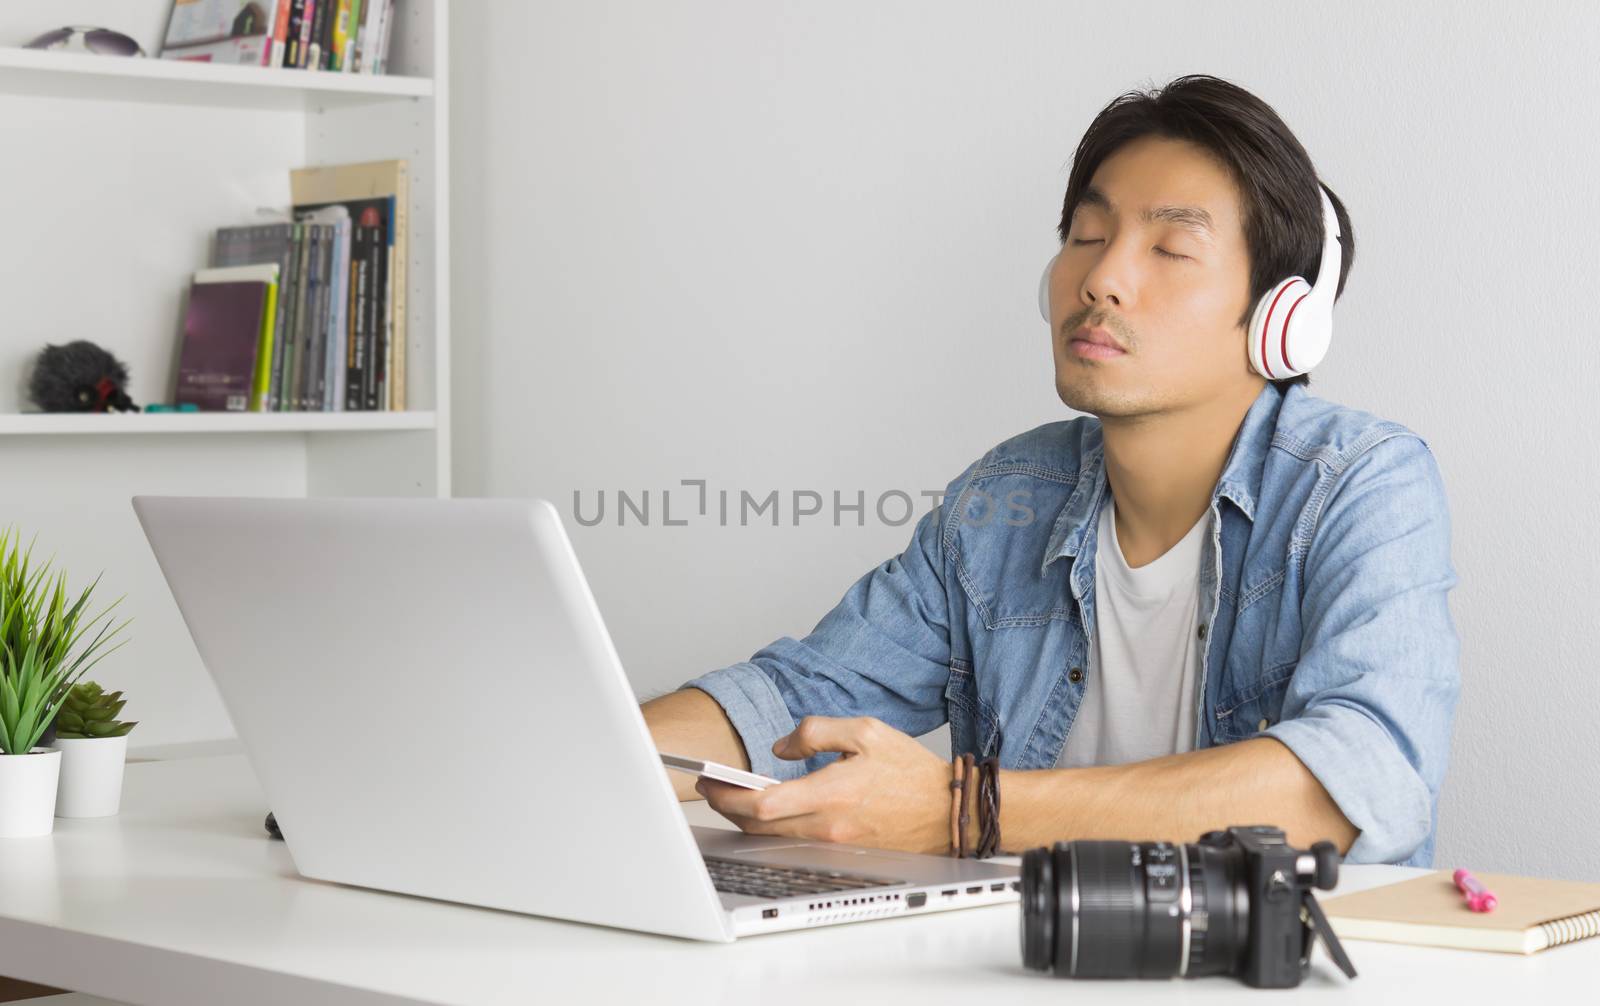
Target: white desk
x: 182, y: 900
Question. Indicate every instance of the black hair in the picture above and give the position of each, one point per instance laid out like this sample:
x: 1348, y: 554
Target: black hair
x: 1276, y: 180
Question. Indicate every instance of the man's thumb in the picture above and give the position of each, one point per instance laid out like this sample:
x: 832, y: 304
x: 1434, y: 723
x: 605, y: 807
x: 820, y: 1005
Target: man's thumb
x: 817, y: 734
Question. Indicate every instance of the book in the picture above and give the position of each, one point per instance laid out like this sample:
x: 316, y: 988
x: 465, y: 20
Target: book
x: 288, y: 297
x: 222, y: 31
x: 228, y: 316
x: 377, y: 197
x: 316, y: 332
x: 367, y: 44
x: 372, y: 223
x: 261, y: 382
x: 292, y: 353
x: 342, y: 34
x: 308, y: 18
x: 280, y: 37
x: 387, y: 21
x: 315, y: 272
x: 365, y: 236
x: 257, y: 244
x: 400, y: 306
x: 1533, y: 913
x: 335, y: 321
x: 333, y: 395
x: 383, y: 324
x: 297, y: 15
x: 317, y: 53
x: 317, y: 393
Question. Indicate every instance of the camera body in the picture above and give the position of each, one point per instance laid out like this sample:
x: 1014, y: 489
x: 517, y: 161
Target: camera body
x: 1236, y: 902
x: 1279, y: 878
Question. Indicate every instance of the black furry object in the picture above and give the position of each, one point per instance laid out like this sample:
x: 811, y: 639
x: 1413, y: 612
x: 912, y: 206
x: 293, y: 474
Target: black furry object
x: 79, y: 377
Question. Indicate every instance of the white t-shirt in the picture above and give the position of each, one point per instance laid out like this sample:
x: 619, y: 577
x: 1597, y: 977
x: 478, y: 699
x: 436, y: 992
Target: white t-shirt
x: 1144, y: 654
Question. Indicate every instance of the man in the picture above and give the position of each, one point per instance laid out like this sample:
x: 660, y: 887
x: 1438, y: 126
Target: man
x: 1222, y: 601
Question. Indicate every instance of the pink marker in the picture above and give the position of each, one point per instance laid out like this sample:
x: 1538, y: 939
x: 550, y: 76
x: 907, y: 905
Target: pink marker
x: 1479, y: 899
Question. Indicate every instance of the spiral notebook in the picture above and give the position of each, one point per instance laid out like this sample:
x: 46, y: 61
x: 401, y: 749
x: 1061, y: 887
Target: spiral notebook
x: 1533, y: 913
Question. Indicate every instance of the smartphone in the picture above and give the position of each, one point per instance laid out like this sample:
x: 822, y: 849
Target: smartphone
x: 721, y: 773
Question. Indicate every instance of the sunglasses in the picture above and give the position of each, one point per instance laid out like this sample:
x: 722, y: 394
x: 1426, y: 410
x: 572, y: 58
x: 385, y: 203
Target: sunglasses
x: 80, y: 38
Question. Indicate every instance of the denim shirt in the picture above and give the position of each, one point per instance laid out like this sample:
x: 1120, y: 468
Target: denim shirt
x: 1323, y: 586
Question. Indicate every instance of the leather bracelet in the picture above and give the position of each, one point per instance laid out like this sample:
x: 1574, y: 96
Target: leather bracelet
x: 988, y: 808
x: 974, y: 782
x: 968, y: 778
x: 956, y: 767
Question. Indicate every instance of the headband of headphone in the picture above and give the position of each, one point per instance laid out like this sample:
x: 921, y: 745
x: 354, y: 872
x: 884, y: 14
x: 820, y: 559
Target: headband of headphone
x: 1292, y: 324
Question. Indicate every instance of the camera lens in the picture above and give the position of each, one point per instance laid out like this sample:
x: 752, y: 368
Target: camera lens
x: 1134, y: 909
x: 1038, y: 909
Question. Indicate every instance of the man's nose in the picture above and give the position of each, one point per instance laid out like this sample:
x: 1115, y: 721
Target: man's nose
x: 1107, y: 281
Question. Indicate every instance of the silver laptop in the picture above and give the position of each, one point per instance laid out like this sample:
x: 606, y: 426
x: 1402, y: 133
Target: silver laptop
x: 432, y: 706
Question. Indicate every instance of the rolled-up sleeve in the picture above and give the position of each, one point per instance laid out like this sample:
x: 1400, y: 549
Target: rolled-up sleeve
x: 883, y: 651
x: 1370, y: 707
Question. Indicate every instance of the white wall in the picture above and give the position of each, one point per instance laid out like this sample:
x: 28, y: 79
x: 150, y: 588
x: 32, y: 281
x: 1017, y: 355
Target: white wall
x: 796, y: 246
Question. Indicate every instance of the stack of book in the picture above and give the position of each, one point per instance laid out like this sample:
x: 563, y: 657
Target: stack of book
x: 328, y: 328
x: 345, y: 36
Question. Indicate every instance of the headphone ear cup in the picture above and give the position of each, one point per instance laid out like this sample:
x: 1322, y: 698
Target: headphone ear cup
x: 1292, y: 324
x: 1284, y: 343
x: 1044, y: 290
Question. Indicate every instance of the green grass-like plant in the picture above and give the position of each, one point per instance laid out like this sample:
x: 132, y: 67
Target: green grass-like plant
x: 91, y: 711
x: 39, y: 632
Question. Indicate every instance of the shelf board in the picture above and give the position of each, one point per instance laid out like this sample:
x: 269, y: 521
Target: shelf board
x: 97, y: 424
x: 124, y: 78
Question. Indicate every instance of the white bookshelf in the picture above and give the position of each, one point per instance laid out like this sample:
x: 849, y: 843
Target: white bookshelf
x: 171, y: 81
x: 214, y: 422
x: 118, y: 171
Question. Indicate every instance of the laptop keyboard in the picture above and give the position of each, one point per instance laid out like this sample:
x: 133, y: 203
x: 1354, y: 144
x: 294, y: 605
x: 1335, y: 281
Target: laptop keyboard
x: 732, y: 876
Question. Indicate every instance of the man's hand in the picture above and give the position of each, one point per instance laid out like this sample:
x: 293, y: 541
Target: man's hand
x: 886, y: 790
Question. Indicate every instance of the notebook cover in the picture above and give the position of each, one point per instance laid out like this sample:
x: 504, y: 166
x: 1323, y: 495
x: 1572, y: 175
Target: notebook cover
x: 209, y: 22
x: 221, y: 334
x: 1533, y: 913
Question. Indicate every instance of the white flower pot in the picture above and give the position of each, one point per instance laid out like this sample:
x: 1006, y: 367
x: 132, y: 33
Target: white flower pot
x: 91, y: 775
x: 28, y: 793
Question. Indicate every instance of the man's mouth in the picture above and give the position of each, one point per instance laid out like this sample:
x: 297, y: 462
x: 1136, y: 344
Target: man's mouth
x: 1095, y: 344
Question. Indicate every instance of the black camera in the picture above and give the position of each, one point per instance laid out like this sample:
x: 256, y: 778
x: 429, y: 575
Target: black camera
x: 1237, y: 902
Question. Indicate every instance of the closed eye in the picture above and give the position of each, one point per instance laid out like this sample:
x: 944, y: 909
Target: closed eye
x: 1159, y: 250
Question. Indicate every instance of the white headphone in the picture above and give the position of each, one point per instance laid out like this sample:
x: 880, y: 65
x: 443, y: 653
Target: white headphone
x: 1293, y: 322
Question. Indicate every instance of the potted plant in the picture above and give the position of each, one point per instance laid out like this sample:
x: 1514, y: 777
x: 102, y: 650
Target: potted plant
x: 39, y: 632
x: 94, y: 747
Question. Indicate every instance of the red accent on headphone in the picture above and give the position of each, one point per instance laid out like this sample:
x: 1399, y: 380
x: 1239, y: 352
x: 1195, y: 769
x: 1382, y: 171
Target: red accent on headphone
x: 1288, y: 318
x: 1266, y: 326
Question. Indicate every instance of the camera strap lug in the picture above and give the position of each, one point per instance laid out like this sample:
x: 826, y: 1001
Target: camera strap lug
x: 1311, y: 915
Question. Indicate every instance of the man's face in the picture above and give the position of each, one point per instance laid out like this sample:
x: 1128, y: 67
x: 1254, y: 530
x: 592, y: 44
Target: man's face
x: 1176, y: 319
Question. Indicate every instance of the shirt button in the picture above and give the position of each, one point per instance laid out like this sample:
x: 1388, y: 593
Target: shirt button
x: 1202, y: 632
x: 1262, y: 726
x: 1075, y: 675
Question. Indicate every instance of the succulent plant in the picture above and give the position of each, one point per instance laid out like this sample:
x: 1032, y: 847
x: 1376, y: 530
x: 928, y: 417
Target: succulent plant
x: 90, y: 711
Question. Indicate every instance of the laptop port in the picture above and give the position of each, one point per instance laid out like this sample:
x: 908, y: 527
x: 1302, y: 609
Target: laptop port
x: 950, y: 893
x: 975, y: 890
x: 917, y: 900
x: 769, y: 913
x: 997, y: 887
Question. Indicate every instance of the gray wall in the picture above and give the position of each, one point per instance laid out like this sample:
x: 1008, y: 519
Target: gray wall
x: 795, y: 246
